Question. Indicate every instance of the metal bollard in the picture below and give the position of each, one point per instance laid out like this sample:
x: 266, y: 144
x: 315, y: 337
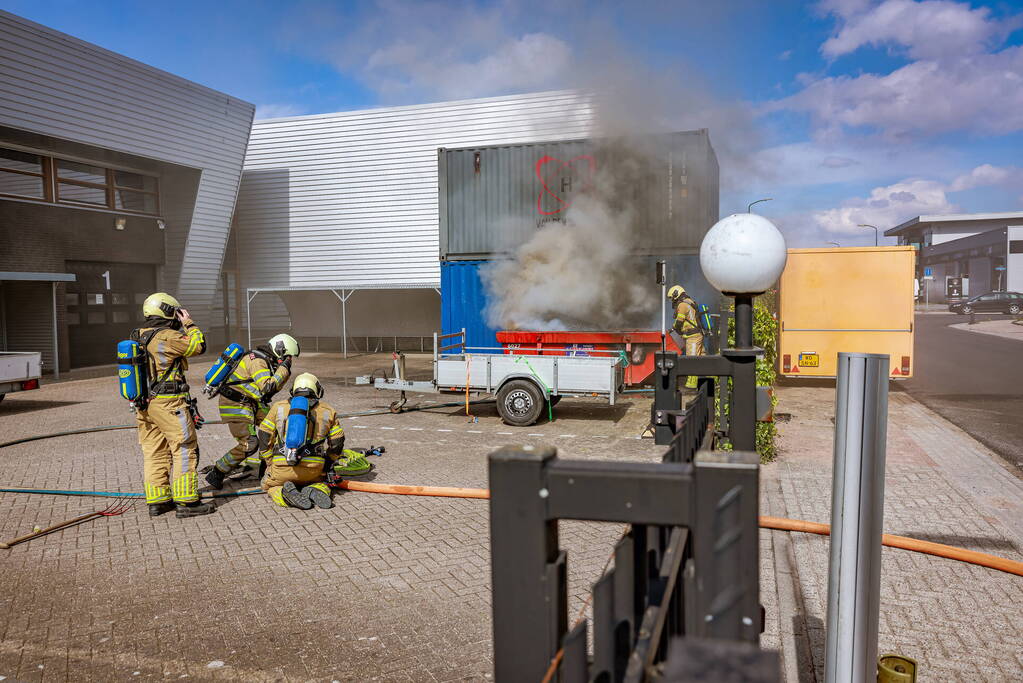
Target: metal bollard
x: 973, y: 319
x: 857, y: 506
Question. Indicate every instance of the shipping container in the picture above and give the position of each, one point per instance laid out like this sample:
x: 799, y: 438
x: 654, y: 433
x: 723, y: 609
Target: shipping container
x: 464, y: 298
x: 857, y: 299
x: 492, y: 199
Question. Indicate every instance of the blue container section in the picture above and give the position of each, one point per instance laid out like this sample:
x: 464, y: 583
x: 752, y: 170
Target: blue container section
x: 464, y: 299
x: 463, y: 303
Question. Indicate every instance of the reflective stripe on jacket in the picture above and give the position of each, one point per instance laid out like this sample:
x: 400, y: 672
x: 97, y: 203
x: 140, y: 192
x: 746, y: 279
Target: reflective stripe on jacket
x: 686, y: 322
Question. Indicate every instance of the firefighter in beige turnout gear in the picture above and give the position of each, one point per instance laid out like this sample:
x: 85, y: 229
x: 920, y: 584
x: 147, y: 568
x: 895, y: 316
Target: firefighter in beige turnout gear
x: 166, y: 427
x: 245, y: 398
x: 686, y: 329
x: 304, y: 484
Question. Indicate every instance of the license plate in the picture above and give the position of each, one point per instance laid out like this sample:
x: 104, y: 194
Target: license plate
x: 809, y: 360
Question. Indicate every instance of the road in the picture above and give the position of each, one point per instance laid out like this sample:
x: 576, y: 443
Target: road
x: 973, y: 380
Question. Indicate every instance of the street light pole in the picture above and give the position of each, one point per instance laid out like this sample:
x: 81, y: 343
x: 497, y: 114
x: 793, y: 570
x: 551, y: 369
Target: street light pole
x: 868, y: 225
x: 836, y: 244
x: 749, y: 207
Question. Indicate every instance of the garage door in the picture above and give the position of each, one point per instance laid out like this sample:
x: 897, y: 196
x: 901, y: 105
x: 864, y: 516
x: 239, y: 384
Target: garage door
x: 103, y: 307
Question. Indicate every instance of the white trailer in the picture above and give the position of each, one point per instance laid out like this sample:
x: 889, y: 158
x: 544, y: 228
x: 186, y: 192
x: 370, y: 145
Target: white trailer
x: 19, y: 371
x: 523, y: 383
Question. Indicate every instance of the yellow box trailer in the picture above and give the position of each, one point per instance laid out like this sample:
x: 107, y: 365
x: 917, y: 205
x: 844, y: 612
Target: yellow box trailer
x: 857, y: 299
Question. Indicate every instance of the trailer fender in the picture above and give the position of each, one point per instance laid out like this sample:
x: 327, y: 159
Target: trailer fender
x: 526, y: 376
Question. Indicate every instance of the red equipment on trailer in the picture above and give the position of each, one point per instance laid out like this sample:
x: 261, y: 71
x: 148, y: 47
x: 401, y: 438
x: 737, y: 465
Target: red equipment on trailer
x: 638, y: 346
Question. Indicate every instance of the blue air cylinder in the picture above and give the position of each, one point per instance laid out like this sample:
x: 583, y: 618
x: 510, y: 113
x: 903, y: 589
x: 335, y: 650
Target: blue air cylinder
x: 131, y: 370
x: 222, y: 369
x: 298, y: 421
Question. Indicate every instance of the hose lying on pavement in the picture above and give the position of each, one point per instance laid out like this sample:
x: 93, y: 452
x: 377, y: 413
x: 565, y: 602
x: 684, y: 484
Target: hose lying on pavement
x: 777, y: 523
x: 364, y: 413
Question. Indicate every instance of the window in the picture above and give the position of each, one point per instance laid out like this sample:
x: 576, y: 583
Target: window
x: 21, y: 174
x: 33, y: 176
x: 94, y: 299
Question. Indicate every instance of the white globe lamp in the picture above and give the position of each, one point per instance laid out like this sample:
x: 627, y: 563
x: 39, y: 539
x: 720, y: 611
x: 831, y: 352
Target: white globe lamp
x: 743, y: 254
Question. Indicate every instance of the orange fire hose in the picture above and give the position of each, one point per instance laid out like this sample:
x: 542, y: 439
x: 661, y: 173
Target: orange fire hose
x: 777, y: 523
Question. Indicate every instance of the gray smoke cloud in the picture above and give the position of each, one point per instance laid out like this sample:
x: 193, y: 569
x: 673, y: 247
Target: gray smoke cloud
x: 579, y: 273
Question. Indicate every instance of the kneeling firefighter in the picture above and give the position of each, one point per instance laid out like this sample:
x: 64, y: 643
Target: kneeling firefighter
x: 245, y: 395
x: 165, y: 412
x: 687, y: 330
x: 301, y: 440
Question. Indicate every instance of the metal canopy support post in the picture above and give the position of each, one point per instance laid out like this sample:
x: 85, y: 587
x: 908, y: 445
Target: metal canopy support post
x: 56, y: 345
x: 249, y: 296
x: 343, y: 297
x: 857, y: 506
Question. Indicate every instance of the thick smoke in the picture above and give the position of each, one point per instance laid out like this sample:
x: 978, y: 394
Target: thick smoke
x: 579, y: 273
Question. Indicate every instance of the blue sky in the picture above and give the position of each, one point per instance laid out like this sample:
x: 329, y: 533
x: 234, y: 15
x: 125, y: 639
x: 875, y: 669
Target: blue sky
x: 844, y: 111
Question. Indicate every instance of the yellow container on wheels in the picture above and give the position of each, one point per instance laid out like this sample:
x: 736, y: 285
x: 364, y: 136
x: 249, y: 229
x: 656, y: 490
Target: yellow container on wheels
x: 856, y: 299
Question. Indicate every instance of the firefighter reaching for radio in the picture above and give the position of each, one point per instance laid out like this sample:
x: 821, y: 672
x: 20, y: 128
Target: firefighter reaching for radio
x: 165, y: 413
x: 687, y: 330
x: 246, y: 382
x: 303, y: 444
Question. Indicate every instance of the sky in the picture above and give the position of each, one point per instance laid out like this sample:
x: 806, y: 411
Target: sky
x: 844, y: 112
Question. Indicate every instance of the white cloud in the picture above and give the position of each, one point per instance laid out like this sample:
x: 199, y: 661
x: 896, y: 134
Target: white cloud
x: 273, y: 111
x: 886, y: 207
x: 843, y: 8
x: 932, y: 29
x: 980, y: 93
x: 890, y: 205
x: 532, y: 61
x: 988, y: 175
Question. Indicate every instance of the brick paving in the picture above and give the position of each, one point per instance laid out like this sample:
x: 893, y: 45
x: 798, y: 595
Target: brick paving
x: 959, y: 621
x: 397, y: 588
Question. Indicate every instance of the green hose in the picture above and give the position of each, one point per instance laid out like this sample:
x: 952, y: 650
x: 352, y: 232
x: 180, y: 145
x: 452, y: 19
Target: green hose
x: 550, y: 408
x: 122, y: 494
x: 381, y: 411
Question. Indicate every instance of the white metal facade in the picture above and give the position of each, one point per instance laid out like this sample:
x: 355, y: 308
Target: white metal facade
x: 349, y: 200
x: 56, y: 85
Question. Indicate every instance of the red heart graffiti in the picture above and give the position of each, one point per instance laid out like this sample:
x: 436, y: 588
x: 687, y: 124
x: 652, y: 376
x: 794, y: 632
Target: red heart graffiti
x: 554, y: 173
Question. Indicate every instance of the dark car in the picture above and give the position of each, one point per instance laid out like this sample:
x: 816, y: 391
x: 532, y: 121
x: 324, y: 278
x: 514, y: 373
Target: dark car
x: 992, y: 302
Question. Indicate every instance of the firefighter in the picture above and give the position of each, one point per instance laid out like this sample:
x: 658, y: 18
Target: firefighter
x: 170, y: 449
x: 686, y: 330
x: 302, y: 485
x: 244, y: 398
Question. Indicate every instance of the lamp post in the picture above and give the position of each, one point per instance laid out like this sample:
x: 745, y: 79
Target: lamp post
x: 868, y: 225
x: 742, y: 255
x: 749, y: 207
x: 835, y: 243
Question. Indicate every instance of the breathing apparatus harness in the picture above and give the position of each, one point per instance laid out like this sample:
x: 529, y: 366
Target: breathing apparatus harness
x: 140, y: 363
x: 229, y: 361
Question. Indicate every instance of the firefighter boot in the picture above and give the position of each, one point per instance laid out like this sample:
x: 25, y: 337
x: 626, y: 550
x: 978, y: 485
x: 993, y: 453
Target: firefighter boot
x: 319, y: 494
x: 157, y: 509
x: 194, y: 509
x: 215, y: 478
x: 295, y: 498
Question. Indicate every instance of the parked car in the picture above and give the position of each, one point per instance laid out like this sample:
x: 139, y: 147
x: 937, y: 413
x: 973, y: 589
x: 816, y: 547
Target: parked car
x: 992, y: 302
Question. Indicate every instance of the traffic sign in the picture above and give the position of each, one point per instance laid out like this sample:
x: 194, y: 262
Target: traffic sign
x: 927, y: 272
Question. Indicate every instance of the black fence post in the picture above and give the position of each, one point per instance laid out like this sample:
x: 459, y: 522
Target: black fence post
x: 529, y: 613
x: 726, y: 545
x: 666, y: 396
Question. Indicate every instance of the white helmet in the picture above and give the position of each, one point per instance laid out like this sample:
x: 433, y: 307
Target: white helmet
x: 283, y: 345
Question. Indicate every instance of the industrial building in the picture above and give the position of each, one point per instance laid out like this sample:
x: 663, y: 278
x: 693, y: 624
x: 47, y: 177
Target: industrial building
x: 963, y: 255
x: 336, y: 234
x: 116, y: 180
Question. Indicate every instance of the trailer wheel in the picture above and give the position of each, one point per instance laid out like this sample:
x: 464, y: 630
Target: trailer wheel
x: 520, y: 402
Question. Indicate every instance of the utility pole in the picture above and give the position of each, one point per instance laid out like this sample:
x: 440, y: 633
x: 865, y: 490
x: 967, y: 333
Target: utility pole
x: 868, y: 225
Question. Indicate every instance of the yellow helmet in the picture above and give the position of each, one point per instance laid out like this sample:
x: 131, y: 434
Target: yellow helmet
x: 308, y: 383
x: 160, y: 305
x: 676, y: 292
x: 284, y: 345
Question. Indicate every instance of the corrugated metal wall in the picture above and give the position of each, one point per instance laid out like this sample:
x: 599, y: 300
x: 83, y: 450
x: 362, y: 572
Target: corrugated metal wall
x: 494, y: 198
x: 350, y: 199
x: 56, y: 85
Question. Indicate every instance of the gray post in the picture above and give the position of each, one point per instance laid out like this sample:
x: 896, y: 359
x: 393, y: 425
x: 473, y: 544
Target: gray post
x: 857, y: 506
x: 56, y: 334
